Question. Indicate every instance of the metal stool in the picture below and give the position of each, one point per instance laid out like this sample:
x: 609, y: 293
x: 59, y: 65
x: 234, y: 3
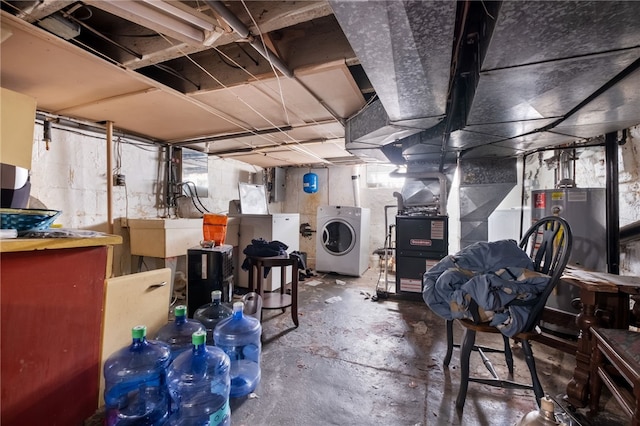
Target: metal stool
x: 275, y: 300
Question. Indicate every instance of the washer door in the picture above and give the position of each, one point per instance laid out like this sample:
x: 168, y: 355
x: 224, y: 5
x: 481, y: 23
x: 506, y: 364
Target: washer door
x: 338, y: 237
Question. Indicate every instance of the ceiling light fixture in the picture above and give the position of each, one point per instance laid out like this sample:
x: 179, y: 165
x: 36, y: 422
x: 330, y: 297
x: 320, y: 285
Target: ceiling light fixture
x: 172, y: 19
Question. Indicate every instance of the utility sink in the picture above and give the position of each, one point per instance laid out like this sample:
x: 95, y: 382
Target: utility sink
x: 164, y: 237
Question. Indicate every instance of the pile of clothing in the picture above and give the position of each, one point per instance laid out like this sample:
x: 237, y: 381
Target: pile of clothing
x: 263, y: 248
x: 497, y: 275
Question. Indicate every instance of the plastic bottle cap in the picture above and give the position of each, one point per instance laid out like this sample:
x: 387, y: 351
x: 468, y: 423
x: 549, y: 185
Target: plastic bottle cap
x: 181, y: 311
x: 139, y: 331
x: 238, y: 306
x: 198, y: 337
x: 216, y: 294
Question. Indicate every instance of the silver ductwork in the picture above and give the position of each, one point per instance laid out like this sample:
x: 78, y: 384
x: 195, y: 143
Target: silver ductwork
x: 405, y: 49
x: 417, y: 195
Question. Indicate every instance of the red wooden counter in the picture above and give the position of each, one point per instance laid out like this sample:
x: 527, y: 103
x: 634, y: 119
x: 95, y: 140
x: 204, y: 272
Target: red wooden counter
x: 51, y: 302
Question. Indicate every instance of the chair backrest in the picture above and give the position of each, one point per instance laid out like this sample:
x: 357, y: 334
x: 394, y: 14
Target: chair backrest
x: 548, y: 243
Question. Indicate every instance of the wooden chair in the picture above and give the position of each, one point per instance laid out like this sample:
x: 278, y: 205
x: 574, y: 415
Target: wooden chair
x: 548, y: 243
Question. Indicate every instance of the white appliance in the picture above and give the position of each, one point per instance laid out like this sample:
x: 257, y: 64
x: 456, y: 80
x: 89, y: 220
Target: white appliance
x: 283, y: 227
x: 253, y: 221
x: 342, y: 244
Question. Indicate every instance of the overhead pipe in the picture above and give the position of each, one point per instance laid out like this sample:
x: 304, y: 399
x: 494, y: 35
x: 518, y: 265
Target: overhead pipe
x: 630, y: 232
x: 239, y: 27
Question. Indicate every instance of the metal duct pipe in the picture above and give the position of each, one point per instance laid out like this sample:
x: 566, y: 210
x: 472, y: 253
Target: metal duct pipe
x: 630, y: 232
x: 565, y: 178
x: 429, y: 175
x: 237, y: 26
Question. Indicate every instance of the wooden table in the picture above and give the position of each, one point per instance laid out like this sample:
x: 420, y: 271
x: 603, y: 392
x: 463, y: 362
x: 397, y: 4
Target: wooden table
x: 51, y: 312
x: 605, y: 303
x: 275, y: 300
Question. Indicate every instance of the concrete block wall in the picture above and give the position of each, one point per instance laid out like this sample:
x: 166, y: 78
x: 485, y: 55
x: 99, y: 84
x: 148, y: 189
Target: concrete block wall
x: 72, y: 176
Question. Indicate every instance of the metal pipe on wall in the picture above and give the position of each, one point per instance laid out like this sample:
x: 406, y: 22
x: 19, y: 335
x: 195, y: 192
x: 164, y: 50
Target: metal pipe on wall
x: 355, y: 181
x: 109, y: 129
x: 612, y: 203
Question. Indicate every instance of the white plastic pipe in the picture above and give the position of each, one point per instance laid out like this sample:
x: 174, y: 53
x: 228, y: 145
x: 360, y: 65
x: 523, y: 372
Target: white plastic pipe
x: 355, y: 181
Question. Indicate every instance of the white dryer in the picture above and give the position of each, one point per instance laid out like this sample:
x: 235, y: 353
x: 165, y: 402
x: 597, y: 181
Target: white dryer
x: 342, y: 243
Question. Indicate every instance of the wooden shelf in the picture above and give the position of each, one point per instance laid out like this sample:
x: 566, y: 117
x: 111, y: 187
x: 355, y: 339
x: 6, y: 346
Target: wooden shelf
x: 275, y: 301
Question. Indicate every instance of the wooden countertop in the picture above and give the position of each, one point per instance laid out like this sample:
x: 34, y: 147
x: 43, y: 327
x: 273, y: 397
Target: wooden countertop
x: 601, y: 282
x: 32, y: 244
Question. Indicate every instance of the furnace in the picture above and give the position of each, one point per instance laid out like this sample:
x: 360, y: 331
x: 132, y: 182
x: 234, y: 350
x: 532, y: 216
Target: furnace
x: 422, y: 229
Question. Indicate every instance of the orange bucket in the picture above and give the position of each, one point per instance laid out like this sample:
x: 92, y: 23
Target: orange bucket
x: 214, y: 228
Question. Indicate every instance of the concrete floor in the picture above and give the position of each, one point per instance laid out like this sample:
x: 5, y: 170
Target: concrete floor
x: 357, y: 362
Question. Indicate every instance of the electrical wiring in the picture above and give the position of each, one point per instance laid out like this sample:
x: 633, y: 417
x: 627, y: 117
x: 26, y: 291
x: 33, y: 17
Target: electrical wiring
x: 287, y: 136
x: 93, y: 134
x: 264, y: 46
x: 255, y: 61
x: 224, y: 61
x: 293, y: 106
x: 193, y: 194
x: 221, y: 116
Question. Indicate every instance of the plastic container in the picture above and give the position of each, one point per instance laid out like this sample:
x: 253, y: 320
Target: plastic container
x: 177, y: 333
x: 199, y: 384
x: 214, y: 228
x: 239, y: 337
x: 136, y: 382
x: 212, y: 313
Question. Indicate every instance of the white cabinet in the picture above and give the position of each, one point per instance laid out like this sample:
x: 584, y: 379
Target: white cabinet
x: 164, y: 238
x: 283, y: 227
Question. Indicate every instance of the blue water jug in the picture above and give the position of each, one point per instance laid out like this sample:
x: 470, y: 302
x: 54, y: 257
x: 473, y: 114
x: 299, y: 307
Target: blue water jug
x: 177, y: 334
x: 199, y: 385
x: 136, y: 382
x: 239, y: 337
x: 212, y: 313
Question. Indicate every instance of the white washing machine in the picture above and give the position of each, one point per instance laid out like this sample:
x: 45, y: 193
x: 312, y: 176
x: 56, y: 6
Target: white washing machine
x: 342, y: 240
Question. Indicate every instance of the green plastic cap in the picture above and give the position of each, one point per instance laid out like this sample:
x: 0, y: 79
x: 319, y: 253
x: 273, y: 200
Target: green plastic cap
x: 181, y: 311
x: 139, y: 331
x: 198, y: 337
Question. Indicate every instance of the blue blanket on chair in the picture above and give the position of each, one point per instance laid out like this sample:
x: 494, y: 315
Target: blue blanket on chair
x: 498, y: 275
